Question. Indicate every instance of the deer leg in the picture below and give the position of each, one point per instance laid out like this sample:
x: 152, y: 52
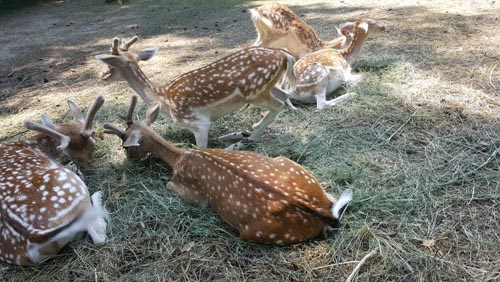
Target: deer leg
x: 282, y: 96
x: 188, y: 194
x: 238, y: 135
x: 262, y: 125
x: 201, y: 134
x: 322, y: 103
x: 255, y: 136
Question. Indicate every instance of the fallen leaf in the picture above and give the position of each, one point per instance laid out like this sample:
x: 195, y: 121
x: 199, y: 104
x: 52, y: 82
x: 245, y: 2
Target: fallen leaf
x: 116, y: 195
x: 187, y: 247
x: 429, y: 243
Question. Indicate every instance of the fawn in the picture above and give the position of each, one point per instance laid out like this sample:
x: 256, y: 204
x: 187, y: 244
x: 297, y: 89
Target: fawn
x: 322, y: 72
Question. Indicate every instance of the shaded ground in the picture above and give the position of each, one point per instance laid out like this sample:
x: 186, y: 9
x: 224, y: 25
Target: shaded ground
x: 419, y: 145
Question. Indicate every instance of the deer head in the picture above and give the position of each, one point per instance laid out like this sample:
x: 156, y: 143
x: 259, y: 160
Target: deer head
x: 121, y: 56
x: 77, y: 133
x: 133, y: 136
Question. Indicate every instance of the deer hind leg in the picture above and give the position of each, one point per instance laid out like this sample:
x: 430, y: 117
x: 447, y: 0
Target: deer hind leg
x: 322, y: 103
x: 188, y: 194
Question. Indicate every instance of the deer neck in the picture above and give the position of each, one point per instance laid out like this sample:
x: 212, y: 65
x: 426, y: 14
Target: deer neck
x: 163, y: 149
x: 143, y: 86
x: 352, y: 51
x: 44, y: 143
x: 335, y: 43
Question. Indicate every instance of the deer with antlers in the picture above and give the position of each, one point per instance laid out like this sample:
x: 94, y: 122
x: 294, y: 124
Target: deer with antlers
x: 43, y: 204
x: 279, y: 27
x: 196, y: 98
x: 269, y: 200
x: 322, y: 72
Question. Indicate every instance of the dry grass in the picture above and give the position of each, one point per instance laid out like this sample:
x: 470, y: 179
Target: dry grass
x: 419, y: 145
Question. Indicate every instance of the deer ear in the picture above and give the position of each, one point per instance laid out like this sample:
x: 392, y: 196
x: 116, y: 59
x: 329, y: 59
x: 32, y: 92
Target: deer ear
x: 111, y: 60
x: 47, y: 121
x: 152, y: 113
x: 132, y: 140
x: 146, y: 54
x: 75, y: 111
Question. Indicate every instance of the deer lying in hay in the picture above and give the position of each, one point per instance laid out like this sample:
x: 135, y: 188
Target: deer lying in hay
x: 44, y: 205
x: 269, y: 200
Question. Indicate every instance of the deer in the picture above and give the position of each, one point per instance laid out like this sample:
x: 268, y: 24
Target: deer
x: 44, y: 205
x: 271, y: 201
x: 279, y: 27
x: 323, y: 71
x: 195, y: 99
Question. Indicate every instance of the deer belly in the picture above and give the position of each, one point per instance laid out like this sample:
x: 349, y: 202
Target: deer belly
x: 223, y: 107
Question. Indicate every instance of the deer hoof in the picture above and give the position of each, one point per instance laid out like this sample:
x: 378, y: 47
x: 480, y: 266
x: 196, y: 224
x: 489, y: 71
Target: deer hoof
x: 242, y: 145
x: 235, y: 136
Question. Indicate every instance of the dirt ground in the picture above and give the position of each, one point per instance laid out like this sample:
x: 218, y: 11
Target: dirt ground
x: 428, y: 117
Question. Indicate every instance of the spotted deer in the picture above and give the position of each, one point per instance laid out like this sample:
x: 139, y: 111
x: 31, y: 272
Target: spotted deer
x: 43, y: 204
x: 279, y: 27
x: 269, y: 200
x: 196, y: 98
x: 322, y: 72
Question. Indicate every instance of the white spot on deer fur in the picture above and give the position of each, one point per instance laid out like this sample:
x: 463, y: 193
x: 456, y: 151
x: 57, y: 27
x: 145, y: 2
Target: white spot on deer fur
x: 62, y: 176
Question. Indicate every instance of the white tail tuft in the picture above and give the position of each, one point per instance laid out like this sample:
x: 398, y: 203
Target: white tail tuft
x: 87, y: 221
x: 342, y: 203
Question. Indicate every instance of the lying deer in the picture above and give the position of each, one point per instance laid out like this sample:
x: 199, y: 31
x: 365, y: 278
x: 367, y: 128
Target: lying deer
x: 270, y: 201
x: 195, y: 99
x: 44, y: 205
x: 322, y: 72
x: 279, y: 27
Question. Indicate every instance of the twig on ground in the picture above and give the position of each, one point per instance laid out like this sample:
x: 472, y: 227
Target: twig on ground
x: 361, y: 262
x: 401, y: 127
x: 335, y: 264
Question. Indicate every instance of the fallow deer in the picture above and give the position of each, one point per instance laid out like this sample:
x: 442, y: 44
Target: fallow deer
x: 322, y: 72
x: 269, y: 200
x: 43, y: 204
x: 196, y: 98
x: 279, y: 27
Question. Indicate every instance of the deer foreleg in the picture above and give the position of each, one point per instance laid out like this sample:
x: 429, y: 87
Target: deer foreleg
x: 200, y: 131
x: 188, y: 194
x: 262, y: 125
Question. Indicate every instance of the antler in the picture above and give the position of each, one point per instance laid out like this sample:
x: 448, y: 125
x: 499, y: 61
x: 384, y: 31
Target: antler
x: 50, y: 132
x: 114, y: 46
x: 89, y: 119
x: 151, y: 115
x: 126, y: 44
x: 110, y: 128
x: 128, y: 117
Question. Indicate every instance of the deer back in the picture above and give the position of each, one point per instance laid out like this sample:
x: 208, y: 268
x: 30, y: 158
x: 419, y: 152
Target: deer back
x: 229, y: 83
